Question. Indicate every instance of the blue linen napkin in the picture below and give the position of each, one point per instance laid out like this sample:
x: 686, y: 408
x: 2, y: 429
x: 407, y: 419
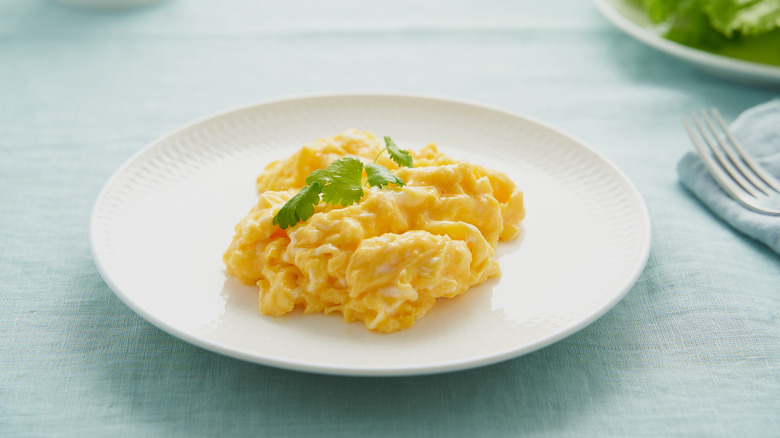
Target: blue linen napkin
x: 758, y: 130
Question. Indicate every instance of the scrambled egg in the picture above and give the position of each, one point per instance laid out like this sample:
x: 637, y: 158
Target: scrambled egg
x: 385, y: 260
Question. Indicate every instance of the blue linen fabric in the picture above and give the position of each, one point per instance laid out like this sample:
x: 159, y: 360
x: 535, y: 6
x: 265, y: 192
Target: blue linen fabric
x: 692, y: 350
x: 758, y: 131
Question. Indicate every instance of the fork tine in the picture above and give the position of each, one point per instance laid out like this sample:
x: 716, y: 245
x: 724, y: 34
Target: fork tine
x: 724, y: 170
x: 735, y: 165
x: 719, y: 175
x: 729, y: 174
x: 766, y: 178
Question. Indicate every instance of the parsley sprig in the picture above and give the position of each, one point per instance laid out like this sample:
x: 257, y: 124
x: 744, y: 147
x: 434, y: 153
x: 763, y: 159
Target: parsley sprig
x: 341, y: 183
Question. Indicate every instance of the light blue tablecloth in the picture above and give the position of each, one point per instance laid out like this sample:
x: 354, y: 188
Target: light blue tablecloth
x: 692, y: 350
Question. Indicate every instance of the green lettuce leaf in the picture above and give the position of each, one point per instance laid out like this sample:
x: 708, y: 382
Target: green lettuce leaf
x: 743, y: 17
x: 745, y: 29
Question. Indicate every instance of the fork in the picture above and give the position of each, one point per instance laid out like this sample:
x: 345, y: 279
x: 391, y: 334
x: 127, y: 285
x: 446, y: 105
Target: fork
x: 732, y: 167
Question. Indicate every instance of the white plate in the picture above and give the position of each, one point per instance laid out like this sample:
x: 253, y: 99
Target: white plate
x: 630, y: 19
x: 162, y: 222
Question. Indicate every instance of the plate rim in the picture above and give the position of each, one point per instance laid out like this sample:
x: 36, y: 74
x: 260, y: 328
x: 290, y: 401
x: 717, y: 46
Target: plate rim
x: 363, y: 371
x: 749, y: 71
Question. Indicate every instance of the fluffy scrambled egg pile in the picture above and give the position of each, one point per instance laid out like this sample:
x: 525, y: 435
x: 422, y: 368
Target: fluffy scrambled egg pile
x: 386, y: 259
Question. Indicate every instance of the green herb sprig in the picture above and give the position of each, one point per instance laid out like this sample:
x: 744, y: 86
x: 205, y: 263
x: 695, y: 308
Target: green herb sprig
x: 341, y: 183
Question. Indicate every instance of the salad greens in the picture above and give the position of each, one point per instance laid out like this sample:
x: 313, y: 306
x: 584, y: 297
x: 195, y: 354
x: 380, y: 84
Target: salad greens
x: 745, y: 29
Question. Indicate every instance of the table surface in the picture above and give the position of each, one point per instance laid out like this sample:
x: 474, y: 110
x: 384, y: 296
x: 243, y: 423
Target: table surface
x: 691, y: 350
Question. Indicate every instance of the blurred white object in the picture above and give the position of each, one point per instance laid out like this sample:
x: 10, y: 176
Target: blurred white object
x: 107, y: 4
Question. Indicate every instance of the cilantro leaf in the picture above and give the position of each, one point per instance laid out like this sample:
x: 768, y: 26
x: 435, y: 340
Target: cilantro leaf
x: 341, y: 181
x: 300, y: 207
x: 400, y: 156
x: 380, y: 176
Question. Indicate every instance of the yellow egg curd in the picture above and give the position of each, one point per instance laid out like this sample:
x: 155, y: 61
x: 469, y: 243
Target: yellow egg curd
x: 385, y: 260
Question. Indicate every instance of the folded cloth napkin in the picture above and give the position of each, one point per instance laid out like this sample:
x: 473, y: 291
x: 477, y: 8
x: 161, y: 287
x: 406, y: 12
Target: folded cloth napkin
x: 758, y: 130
